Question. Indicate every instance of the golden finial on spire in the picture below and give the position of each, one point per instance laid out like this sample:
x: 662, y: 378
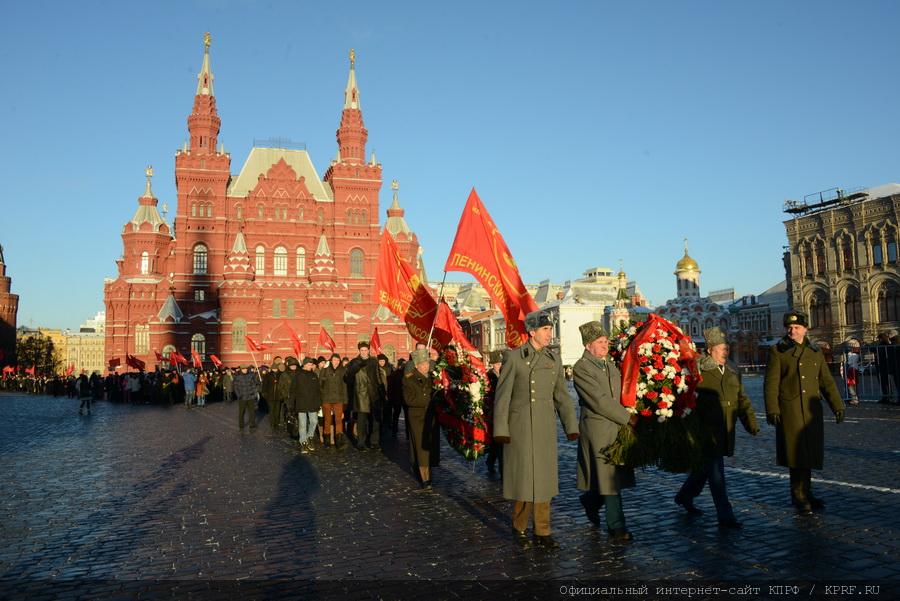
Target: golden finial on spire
x: 207, y: 40
x: 148, y: 193
x: 352, y: 57
x: 395, y: 185
x: 685, y: 246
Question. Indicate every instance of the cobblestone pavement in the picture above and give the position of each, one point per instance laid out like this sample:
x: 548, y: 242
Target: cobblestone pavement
x: 139, y: 493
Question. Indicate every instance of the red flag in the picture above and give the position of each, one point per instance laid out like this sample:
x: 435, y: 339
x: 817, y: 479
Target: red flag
x: 113, y: 363
x: 326, y: 340
x: 295, y: 340
x: 134, y: 362
x: 177, y: 358
x: 254, y: 346
x: 9, y: 369
x: 375, y: 342
x: 198, y: 363
x: 159, y: 356
x: 447, y: 329
x: 479, y: 249
x: 70, y: 370
x: 216, y: 361
x: 399, y: 289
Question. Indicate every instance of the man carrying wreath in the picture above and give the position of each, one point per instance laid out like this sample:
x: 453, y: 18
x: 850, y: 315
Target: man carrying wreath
x: 530, y: 392
x: 599, y: 387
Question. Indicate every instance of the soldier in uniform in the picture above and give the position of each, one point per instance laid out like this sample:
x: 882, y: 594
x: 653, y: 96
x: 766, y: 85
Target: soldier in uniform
x: 721, y: 401
x: 424, y: 433
x: 797, y: 377
x: 599, y: 387
x: 530, y: 392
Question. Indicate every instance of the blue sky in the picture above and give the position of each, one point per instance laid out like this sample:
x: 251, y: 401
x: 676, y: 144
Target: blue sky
x: 593, y: 131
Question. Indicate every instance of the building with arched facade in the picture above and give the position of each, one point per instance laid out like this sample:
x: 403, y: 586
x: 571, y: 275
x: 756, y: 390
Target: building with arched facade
x: 842, y: 262
x: 269, y: 249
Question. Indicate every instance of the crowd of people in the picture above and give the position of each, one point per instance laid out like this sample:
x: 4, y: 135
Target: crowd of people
x: 336, y: 402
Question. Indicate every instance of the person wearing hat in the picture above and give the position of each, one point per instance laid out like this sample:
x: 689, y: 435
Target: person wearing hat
x: 362, y: 378
x: 306, y: 397
x: 885, y: 364
x: 850, y: 369
x: 269, y: 392
x: 797, y: 377
x: 283, y: 397
x: 531, y: 392
x: 424, y: 433
x: 721, y: 401
x: 246, y: 389
x: 495, y: 450
x: 334, y: 398
x: 599, y: 387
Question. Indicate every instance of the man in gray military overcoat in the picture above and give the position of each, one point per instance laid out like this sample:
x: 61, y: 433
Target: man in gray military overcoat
x: 530, y: 392
x: 599, y: 387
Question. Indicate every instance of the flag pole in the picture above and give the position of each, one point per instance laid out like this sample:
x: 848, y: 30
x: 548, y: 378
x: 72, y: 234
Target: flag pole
x: 440, y: 298
x: 252, y: 354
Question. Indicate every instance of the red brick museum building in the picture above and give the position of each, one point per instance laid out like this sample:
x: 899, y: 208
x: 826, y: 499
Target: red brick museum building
x: 274, y: 244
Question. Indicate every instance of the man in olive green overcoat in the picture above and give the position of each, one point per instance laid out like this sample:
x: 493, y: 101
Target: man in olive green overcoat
x: 797, y: 377
x: 530, y: 392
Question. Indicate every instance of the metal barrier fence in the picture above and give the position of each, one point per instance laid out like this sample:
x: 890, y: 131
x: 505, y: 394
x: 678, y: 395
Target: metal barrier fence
x: 877, y: 372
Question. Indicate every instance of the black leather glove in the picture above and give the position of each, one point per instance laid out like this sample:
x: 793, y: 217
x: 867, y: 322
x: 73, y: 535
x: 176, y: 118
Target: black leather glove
x: 501, y: 439
x: 572, y: 436
x: 838, y: 417
x: 773, y: 419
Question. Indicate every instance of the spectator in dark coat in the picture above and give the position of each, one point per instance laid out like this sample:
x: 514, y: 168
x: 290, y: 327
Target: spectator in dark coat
x: 246, y: 390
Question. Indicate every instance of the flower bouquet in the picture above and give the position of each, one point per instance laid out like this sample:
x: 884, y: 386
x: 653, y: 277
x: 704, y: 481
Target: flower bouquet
x: 460, y: 385
x: 659, y: 381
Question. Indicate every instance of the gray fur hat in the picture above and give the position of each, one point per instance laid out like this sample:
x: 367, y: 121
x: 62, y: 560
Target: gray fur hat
x: 591, y: 331
x: 419, y: 356
x: 714, y: 336
x: 537, y: 319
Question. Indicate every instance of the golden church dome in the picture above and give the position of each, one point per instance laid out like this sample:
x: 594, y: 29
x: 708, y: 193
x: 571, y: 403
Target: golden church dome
x: 686, y: 263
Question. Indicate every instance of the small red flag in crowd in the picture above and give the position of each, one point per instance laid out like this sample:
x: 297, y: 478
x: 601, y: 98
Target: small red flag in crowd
x: 295, y: 340
x: 159, y: 356
x: 132, y: 361
x: 196, y: 357
x: 375, y: 343
x: 216, y: 361
x: 113, y: 363
x: 177, y: 358
x: 70, y: 370
x: 254, y: 345
x: 326, y: 340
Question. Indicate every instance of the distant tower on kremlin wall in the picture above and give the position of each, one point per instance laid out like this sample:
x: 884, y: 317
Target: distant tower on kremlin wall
x: 273, y: 244
x: 9, y: 307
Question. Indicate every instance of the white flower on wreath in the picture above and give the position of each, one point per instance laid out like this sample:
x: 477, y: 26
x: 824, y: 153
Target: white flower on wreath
x: 475, y: 392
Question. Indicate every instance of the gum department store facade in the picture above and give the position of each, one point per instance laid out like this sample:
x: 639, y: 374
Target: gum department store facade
x: 273, y: 244
x: 842, y: 263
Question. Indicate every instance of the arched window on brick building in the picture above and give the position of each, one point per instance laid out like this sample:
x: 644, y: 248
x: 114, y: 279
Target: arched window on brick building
x: 145, y: 263
x: 889, y: 302
x: 847, y: 253
x: 280, y: 266
x: 201, y: 256
x: 852, y: 306
x: 198, y: 344
x: 356, y: 263
x: 819, y: 310
x: 260, y: 260
x: 301, y: 260
x: 820, y: 258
